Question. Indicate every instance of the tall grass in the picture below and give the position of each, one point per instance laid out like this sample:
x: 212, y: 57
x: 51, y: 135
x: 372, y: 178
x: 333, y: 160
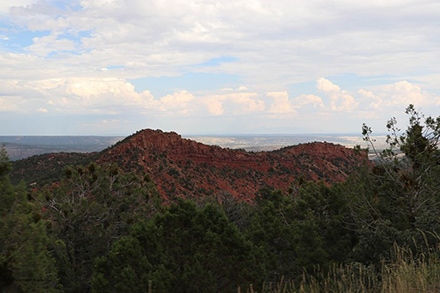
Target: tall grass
x: 406, y: 273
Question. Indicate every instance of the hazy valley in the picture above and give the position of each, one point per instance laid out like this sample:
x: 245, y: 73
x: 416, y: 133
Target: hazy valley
x: 20, y: 147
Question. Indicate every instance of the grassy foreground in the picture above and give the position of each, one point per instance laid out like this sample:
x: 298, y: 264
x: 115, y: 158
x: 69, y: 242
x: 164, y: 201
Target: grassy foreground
x: 406, y: 273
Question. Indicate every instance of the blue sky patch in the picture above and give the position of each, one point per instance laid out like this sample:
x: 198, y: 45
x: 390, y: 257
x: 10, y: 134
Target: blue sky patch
x: 216, y: 61
x: 18, y: 41
x: 67, y: 5
x: 308, y: 87
x: 353, y: 82
x: 193, y: 82
x: 115, y: 67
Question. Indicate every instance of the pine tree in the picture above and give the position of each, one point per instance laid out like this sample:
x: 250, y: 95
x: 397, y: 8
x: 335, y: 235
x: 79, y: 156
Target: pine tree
x: 92, y: 207
x: 25, y: 262
x: 183, y: 249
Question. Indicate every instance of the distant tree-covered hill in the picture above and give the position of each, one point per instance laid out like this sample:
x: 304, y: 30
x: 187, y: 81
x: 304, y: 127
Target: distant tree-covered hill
x: 47, y: 168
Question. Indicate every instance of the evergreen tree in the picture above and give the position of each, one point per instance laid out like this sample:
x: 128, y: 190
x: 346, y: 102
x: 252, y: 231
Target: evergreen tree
x: 399, y: 200
x: 300, y: 231
x: 183, y: 249
x: 91, y: 208
x: 25, y: 262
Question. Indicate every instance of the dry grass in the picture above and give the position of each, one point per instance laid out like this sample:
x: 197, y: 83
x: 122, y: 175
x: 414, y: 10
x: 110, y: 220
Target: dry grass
x: 407, y: 273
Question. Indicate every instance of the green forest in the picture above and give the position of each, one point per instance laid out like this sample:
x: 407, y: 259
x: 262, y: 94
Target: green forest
x: 100, y: 229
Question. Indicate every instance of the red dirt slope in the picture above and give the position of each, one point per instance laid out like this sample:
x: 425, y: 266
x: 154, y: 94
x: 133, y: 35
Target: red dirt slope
x: 185, y: 168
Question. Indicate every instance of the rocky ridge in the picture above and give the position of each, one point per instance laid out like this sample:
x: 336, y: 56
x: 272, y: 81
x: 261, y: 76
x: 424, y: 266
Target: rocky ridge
x: 186, y: 168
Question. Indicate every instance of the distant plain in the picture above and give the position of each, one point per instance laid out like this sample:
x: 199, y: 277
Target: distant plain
x: 19, y: 147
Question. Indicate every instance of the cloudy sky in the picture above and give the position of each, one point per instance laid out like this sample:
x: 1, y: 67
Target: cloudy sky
x: 112, y: 67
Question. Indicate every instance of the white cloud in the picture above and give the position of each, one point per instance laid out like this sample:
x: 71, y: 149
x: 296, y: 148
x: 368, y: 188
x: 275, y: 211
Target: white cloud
x: 378, y: 98
x: 240, y: 88
x: 281, y: 103
x: 5, y: 6
x: 178, y: 100
x: 326, y: 85
x: 372, y: 100
x: 404, y: 93
x: 340, y: 100
x: 10, y: 104
x: 111, y: 121
x: 401, y: 93
x: 246, y: 102
x: 235, y: 104
x: 343, y: 102
x: 93, y: 93
x: 52, y: 43
x: 113, y: 96
x: 215, y: 105
x: 79, y: 95
x: 313, y: 100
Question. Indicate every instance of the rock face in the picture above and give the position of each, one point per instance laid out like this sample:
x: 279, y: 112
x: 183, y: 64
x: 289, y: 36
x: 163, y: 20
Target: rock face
x: 185, y: 168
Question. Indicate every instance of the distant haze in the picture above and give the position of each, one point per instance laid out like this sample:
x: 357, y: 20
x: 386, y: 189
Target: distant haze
x: 19, y: 147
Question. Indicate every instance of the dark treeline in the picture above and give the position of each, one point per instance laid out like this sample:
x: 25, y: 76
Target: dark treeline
x: 100, y: 229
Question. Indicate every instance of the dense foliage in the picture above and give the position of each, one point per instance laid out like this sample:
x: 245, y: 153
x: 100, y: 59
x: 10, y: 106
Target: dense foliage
x: 183, y: 249
x: 47, y: 168
x: 26, y: 264
x: 104, y: 230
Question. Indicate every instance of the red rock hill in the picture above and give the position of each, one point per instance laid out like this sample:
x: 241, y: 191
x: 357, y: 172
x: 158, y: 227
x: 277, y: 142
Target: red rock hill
x: 185, y: 168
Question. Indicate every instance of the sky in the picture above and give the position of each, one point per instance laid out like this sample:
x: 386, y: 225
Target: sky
x: 112, y: 67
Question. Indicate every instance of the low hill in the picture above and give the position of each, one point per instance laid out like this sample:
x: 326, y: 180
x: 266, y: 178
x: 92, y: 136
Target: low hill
x: 47, y: 168
x: 185, y: 168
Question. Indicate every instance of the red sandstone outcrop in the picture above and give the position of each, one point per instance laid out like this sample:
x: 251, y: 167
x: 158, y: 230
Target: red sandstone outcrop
x: 185, y: 168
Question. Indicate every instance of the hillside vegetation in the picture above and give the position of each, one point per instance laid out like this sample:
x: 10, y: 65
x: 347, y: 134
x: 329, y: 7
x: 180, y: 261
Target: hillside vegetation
x: 107, y: 227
